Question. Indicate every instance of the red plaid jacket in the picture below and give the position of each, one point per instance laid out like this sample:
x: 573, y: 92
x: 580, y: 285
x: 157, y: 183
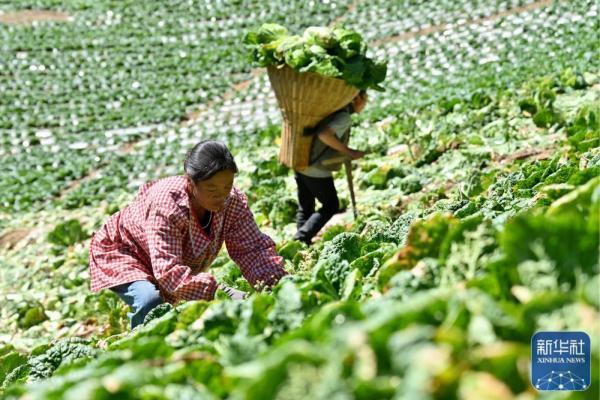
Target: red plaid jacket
x: 157, y: 238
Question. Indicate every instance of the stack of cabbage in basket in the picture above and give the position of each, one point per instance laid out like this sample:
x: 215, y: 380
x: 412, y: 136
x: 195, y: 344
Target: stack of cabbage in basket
x: 336, y: 53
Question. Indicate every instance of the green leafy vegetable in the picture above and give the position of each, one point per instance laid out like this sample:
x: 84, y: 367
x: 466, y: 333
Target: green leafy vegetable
x: 336, y: 53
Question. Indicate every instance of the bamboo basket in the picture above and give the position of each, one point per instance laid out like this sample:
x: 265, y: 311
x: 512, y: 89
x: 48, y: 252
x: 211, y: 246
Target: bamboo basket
x: 304, y: 100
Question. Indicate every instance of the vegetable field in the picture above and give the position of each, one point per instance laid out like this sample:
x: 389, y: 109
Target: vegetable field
x: 478, y: 202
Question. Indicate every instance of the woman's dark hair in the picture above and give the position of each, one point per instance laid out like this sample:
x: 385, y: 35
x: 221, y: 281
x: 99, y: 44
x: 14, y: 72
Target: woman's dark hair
x: 350, y: 106
x: 206, y: 159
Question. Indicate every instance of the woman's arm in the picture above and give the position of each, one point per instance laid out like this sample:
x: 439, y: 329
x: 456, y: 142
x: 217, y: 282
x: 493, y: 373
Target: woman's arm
x: 165, y: 242
x: 251, y: 249
x: 328, y: 136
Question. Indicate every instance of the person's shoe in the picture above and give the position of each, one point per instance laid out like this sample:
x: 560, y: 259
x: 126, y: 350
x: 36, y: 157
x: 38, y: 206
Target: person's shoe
x: 303, y: 240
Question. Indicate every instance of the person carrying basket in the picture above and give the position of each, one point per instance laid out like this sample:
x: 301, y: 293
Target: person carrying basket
x: 316, y: 182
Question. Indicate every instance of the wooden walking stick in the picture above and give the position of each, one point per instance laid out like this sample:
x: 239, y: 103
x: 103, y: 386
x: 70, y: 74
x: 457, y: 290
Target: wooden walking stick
x: 348, y: 168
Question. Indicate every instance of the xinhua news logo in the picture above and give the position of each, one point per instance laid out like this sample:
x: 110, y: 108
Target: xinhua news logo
x: 560, y: 361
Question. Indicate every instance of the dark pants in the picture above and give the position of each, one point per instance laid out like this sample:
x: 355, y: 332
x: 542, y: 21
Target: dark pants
x: 310, y: 222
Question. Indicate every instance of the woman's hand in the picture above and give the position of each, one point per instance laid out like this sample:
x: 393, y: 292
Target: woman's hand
x: 356, y: 154
x: 233, y: 294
